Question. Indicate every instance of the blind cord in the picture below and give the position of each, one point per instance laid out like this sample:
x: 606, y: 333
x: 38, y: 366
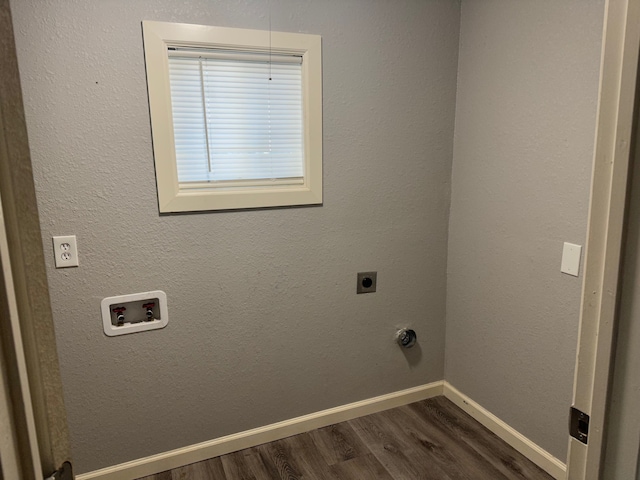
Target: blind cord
x: 270, y: 79
x: 206, y: 115
x: 270, y: 41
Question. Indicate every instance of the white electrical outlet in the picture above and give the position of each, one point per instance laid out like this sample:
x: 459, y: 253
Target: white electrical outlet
x: 65, y: 251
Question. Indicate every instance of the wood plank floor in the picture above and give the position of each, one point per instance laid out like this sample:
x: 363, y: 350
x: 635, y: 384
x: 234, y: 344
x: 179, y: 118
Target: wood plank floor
x: 431, y: 440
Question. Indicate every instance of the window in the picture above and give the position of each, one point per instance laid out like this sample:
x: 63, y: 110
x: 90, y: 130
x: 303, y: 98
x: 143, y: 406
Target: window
x: 236, y: 116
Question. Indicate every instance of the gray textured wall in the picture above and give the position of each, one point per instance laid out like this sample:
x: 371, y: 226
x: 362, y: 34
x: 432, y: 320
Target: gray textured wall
x: 523, y: 148
x: 264, y: 324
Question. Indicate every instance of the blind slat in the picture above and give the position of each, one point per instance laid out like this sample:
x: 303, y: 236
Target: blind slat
x: 233, y: 55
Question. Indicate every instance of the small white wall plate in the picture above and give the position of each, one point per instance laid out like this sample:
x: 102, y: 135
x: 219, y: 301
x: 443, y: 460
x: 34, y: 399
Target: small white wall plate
x: 571, y: 259
x: 134, y: 312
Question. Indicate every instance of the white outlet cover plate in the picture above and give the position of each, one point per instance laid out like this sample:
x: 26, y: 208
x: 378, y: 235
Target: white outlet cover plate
x: 65, y: 251
x: 112, y: 331
x: 571, y: 259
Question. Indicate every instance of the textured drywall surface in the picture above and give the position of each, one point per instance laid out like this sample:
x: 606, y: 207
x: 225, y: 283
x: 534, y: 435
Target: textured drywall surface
x: 265, y: 324
x: 523, y: 149
x: 623, y: 427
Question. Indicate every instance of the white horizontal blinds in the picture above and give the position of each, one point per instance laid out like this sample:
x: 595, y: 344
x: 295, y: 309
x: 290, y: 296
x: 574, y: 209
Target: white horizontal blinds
x: 233, y: 124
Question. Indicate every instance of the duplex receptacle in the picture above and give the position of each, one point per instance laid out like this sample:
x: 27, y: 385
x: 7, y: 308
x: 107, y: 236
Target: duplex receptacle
x: 65, y: 251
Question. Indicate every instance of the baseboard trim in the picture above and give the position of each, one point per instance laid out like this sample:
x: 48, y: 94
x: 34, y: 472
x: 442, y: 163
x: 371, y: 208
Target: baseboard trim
x: 522, y: 444
x: 257, y: 436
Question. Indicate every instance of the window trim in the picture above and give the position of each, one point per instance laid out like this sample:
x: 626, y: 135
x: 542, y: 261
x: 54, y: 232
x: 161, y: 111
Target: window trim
x: 158, y: 37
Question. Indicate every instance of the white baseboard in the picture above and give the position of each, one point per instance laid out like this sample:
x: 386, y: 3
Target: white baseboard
x: 522, y: 444
x: 257, y: 436
x: 250, y: 438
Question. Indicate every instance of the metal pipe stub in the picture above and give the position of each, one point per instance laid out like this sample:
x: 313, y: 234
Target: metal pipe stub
x: 406, y: 338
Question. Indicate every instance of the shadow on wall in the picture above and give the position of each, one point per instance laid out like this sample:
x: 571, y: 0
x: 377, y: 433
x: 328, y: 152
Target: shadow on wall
x: 413, y: 355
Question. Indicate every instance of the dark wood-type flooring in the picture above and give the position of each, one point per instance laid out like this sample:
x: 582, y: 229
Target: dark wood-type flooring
x: 431, y: 440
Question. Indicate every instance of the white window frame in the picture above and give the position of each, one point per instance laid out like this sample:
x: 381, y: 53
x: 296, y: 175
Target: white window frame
x: 158, y: 37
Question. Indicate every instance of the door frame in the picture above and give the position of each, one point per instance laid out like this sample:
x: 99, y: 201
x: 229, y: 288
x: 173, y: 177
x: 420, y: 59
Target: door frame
x: 600, y: 293
x: 19, y: 450
x: 29, y: 353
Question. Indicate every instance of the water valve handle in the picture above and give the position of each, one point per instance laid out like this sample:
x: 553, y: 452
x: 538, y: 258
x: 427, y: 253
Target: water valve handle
x: 119, y: 315
x: 149, y: 307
